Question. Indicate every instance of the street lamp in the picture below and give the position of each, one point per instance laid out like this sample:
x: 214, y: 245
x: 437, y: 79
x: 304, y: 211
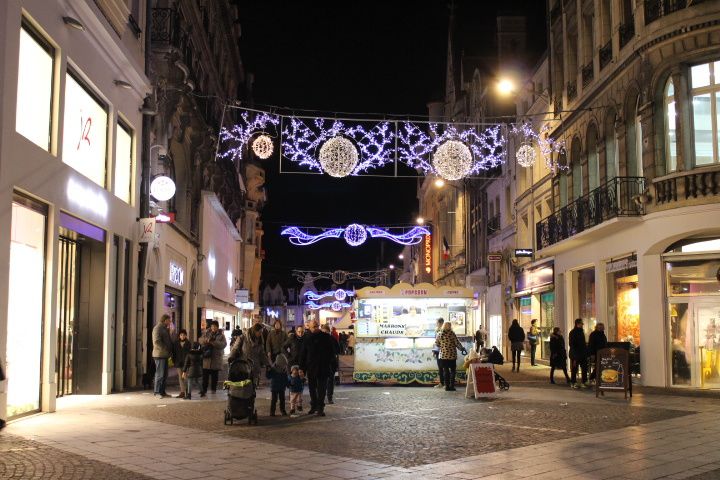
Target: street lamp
x: 505, y: 86
x: 439, y: 183
x: 401, y: 256
x: 391, y: 266
x: 420, y: 221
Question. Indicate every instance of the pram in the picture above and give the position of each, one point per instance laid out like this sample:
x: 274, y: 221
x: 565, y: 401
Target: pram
x: 241, y: 393
x: 495, y: 357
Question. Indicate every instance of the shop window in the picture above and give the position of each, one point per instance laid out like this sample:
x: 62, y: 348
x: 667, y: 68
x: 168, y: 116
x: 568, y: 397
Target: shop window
x: 124, y: 165
x: 623, y: 320
x: 33, y: 116
x: 585, y: 295
x: 84, y: 131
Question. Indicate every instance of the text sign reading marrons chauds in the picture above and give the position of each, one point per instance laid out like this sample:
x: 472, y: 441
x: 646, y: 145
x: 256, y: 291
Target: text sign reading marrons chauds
x: 612, y: 366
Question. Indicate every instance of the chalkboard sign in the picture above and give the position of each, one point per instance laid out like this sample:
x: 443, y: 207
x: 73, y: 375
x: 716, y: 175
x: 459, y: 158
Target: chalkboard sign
x: 613, y: 372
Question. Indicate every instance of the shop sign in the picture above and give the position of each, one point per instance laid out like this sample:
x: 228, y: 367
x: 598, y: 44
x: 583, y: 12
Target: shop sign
x: 620, y: 265
x: 427, y: 253
x: 537, y: 277
x: 523, y: 252
x: 147, y: 230
x: 378, y: 292
x: 613, y: 367
x: 247, y: 306
x: 391, y: 329
x: 177, y: 274
x: 414, y: 292
x: 272, y: 313
x: 242, y: 295
x: 495, y: 257
x: 87, y: 198
x: 165, y: 217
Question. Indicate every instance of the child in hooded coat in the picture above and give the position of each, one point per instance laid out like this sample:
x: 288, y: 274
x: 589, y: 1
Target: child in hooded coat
x: 278, y: 376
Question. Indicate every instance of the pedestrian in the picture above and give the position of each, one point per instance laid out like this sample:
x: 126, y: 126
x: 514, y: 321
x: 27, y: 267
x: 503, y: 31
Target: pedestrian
x: 336, y: 360
x: 436, y: 352
x: 335, y: 334
x: 296, y: 385
x: 596, y: 342
x: 578, y: 354
x: 293, y: 345
x: 351, y: 343
x: 558, y: 355
x: 181, y: 347
x: 516, y: 336
x: 449, y: 344
x: 192, y: 370
x: 316, y: 361
x: 480, y: 336
x: 254, y: 350
x: 275, y: 341
x: 533, y: 336
x: 343, y: 343
x: 277, y: 373
x: 213, y: 344
x: 162, y: 350
x: 236, y: 333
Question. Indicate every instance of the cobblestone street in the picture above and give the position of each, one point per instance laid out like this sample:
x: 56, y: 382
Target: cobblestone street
x: 376, y: 432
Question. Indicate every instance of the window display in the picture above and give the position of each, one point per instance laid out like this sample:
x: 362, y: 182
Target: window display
x: 35, y: 88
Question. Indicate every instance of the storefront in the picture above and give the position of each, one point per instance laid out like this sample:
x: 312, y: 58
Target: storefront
x: 535, y: 299
x: 175, y: 287
x: 395, y: 330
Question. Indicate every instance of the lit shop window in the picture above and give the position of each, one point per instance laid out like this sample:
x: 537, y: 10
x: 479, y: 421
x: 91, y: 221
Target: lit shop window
x: 705, y: 106
x: 84, y: 131
x: 35, y: 87
x: 124, y: 166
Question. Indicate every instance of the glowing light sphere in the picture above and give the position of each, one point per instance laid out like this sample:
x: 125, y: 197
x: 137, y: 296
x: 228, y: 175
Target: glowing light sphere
x: 162, y: 188
x: 263, y: 147
x: 355, y: 234
x: 339, y: 277
x: 452, y: 160
x: 338, y: 157
x: 337, y: 306
x: 340, y: 294
x: 525, y: 155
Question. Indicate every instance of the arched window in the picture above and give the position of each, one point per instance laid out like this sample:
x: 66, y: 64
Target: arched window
x: 670, y: 134
x: 633, y: 139
x: 611, y: 146
x: 563, y: 182
x: 593, y: 164
x: 577, y: 183
x: 705, y: 80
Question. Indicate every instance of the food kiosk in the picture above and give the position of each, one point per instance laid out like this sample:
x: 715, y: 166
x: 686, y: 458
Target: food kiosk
x: 395, y: 331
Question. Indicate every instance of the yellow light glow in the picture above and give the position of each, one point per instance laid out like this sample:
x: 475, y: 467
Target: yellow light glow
x: 505, y: 86
x: 439, y: 183
x: 420, y: 220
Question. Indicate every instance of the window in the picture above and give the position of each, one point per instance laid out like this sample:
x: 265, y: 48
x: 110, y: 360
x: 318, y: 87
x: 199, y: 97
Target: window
x: 124, y: 165
x: 611, y: 147
x: 593, y: 164
x: 577, y: 174
x: 670, y: 132
x: 705, y: 107
x: 85, y: 131
x: 35, y: 88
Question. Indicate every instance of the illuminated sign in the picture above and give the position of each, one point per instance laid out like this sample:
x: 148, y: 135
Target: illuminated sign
x: 414, y: 292
x: 162, y: 188
x: 427, y: 246
x: 523, y: 252
x: 165, y: 217
x: 495, y: 257
x: 272, y: 313
x: 177, y: 274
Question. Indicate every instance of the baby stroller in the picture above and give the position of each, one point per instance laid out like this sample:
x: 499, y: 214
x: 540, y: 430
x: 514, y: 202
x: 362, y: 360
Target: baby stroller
x: 241, y: 393
x: 495, y: 357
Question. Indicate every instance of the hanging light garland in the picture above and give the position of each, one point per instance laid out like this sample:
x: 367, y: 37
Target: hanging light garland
x: 338, y: 157
x: 372, y: 277
x: 249, y: 123
x: 525, y: 155
x: 354, y: 235
x: 263, y: 147
x: 546, y: 144
x: 452, y: 160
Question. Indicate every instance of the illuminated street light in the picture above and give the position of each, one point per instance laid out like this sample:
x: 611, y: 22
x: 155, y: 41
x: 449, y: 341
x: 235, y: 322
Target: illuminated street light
x: 401, y: 256
x: 420, y: 220
x: 505, y: 86
x: 391, y: 266
x: 439, y: 183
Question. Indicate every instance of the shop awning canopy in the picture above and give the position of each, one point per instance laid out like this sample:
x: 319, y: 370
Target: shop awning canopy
x: 421, y: 290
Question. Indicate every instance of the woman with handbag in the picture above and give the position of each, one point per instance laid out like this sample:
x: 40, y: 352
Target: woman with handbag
x: 533, y: 335
x: 516, y: 336
x: 212, y: 344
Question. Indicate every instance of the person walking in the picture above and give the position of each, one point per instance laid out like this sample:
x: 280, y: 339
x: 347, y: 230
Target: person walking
x: 336, y: 362
x: 516, y: 336
x: 181, y: 347
x: 277, y: 373
x: 162, y: 350
x: 213, y: 344
x: 558, y: 355
x: 596, y: 342
x: 192, y: 370
x: 316, y: 361
x: 351, y: 343
x: 578, y: 354
x: 533, y: 336
x: 449, y: 344
x: 480, y: 336
x: 296, y: 382
x: 436, y: 353
x: 275, y: 341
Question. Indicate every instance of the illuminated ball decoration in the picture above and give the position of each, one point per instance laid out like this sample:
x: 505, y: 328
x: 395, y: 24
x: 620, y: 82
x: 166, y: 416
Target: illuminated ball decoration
x: 525, y: 155
x: 337, y: 306
x: 338, y: 157
x: 452, y: 160
x: 355, y: 234
x: 340, y: 294
x: 263, y: 147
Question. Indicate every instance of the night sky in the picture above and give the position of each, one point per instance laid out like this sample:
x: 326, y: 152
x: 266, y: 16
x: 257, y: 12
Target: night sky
x: 384, y: 57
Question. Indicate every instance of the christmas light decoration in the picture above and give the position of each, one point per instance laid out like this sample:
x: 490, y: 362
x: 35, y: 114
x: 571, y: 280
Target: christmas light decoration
x: 372, y: 277
x: 525, y: 155
x: 338, y: 295
x: 339, y: 277
x: 452, y: 160
x: 417, y: 144
x: 336, y: 306
x: 354, y: 235
x: 547, y: 145
x: 249, y: 123
x: 324, y: 145
x: 263, y: 147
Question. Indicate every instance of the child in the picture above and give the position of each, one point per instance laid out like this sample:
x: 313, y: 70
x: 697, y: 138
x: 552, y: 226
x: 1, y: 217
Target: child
x: 192, y: 369
x: 181, y: 347
x: 278, y: 376
x: 297, y: 382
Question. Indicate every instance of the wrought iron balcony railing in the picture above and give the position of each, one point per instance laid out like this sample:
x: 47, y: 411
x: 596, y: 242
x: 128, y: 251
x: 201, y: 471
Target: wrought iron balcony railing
x: 162, y: 26
x: 587, y: 74
x: 610, y: 200
x: 627, y: 31
x: 654, y: 9
x: 605, y: 54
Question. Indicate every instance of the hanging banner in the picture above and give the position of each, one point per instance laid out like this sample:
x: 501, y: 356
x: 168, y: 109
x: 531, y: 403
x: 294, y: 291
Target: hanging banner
x: 147, y: 230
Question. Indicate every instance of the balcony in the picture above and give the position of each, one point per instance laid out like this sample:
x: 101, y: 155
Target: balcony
x: 571, y: 91
x: 605, y: 54
x: 627, y: 31
x: 493, y: 224
x: 655, y: 9
x: 699, y: 183
x: 587, y: 74
x: 610, y: 200
x: 162, y: 25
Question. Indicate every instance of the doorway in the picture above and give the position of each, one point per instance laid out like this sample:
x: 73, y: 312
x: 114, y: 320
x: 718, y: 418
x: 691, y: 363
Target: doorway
x: 149, y: 325
x: 695, y: 342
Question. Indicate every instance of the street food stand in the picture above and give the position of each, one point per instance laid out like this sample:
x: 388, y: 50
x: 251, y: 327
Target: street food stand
x: 395, y: 331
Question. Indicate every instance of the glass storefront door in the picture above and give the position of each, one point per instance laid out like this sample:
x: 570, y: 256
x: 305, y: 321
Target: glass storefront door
x: 25, y: 307
x: 695, y: 342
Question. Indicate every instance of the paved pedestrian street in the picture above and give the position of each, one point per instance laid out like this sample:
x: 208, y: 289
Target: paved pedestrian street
x: 535, y: 430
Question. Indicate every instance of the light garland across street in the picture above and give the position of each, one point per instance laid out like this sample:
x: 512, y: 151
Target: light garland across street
x: 354, y: 234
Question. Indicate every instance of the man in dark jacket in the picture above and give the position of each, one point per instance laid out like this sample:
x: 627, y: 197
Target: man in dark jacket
x: 181, y: 347
x: 293, y: 345
x: 336, y: 362
x: 316, y: 360
x: 578, y: 354
x: 597, y: 341
x: 162, y: 350
x: 275, y: 341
